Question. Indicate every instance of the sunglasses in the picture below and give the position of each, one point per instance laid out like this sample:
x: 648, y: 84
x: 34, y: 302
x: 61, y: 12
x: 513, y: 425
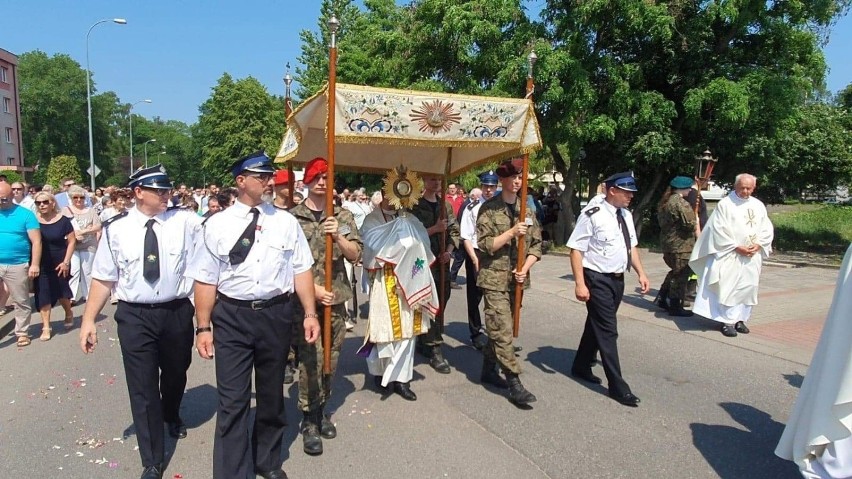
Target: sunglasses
x: 42, y: 202
x: 17, y: 189
x: 78, y: 197
x: 158, y: 191
x: 69, y: 184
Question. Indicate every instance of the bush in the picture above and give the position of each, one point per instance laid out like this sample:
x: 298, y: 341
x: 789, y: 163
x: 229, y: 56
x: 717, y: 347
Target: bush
x: 63, y: 166
x: 12, y: 176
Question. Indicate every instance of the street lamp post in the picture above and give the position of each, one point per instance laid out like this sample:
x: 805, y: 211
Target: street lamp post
x: 119, y: 21
x: 162, y: 152
x: 152, y: 140
x: 131, y: 131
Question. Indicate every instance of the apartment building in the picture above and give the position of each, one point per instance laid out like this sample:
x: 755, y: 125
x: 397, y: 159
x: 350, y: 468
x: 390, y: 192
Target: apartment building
x: 11, y: 146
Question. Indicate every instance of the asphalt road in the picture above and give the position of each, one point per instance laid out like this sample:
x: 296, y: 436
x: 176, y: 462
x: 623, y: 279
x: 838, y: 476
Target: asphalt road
x: 711, y: 407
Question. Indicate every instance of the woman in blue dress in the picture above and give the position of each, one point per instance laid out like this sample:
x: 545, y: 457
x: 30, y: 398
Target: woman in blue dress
x: 58, y: 241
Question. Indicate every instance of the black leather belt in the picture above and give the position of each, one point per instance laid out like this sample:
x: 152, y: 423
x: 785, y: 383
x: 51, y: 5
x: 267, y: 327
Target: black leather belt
x: 256, y: 304
x: 167, y: 304
x: 609, y: 275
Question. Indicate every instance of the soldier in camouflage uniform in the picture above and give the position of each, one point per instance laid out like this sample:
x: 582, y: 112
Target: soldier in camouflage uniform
x: 677, y: 237
x: 498, y: 229
x: 314, y: 386
x: 428, y: 213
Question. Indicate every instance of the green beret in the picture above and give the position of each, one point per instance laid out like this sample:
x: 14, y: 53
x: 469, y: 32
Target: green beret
x: 681, y: 182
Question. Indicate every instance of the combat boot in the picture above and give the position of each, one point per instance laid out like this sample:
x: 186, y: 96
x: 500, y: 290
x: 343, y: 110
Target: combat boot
x: 676, y: 308
x: 438, y: 362
x: 327, y: 428
x: 491, y: 376
x: 661, y: 300
x: 311, y: 439
x: 518, y: 394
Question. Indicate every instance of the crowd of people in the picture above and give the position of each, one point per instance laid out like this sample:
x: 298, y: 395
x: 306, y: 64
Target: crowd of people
x: 248, y: 264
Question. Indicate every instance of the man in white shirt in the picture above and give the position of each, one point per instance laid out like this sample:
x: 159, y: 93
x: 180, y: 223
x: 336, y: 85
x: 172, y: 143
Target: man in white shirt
x: 144, y: 258
x: 467, y: 230
x: 603, y: 249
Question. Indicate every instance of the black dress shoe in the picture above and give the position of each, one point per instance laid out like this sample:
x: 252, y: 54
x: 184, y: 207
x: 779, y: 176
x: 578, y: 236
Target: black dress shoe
x: 728, y: 330
x: 587, y: 376
x: 627, y: 399
x: 741, y: 327
x: 177, y: 429
x: 479, y: 341
x: 279, y: 474
x: 404, y: 390
x: 377, y: 381
x: 152, y: 472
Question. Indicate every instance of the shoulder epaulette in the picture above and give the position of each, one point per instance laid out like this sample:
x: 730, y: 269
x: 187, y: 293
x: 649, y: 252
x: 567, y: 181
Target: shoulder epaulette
x: 114, y: 219
x: 592, y: 210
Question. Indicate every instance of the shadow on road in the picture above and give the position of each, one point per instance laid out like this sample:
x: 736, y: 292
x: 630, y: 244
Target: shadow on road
x: 795, y: 379
x: 735, y: 453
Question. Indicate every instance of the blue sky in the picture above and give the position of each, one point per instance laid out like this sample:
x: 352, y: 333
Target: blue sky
x: 172, y: 52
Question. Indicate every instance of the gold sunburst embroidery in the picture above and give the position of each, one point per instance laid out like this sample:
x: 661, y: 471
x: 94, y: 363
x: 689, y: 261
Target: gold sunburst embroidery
x: 435, y: 117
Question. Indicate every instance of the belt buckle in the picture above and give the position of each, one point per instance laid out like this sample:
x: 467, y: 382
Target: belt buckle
x: 257, y: 304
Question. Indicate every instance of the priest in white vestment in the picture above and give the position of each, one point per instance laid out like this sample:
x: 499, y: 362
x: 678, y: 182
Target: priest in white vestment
x: 818, y: 436
x: 403, y: 295
x: 728, y: 257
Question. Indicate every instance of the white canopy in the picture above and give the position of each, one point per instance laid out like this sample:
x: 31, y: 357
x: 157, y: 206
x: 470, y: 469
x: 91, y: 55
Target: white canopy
x: 377, y: 129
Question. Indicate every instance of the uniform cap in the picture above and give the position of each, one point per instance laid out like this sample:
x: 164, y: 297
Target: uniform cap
x: 623, y: 180
x: 681, y: 182
x: 282, y: 177
x: 257, y: 162
x: 151, y: 177
x: 314, y: 168
x: 512, y: 167
x: 488, y: 178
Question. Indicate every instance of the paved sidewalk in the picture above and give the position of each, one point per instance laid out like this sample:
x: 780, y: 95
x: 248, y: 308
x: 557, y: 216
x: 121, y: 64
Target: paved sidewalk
x: 787, y: 322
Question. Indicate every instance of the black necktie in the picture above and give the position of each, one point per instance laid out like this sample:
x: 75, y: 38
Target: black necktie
x: 243, y: 245
x: 626, y: 233
x: 151, y: 265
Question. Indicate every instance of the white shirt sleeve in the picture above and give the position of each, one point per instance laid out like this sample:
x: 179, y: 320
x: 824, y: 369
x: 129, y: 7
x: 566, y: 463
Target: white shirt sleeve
x: 303, y: 260
x: 104, y: 267
x: 204, y: 265
x: 467, y: 230
x: 579, y: 239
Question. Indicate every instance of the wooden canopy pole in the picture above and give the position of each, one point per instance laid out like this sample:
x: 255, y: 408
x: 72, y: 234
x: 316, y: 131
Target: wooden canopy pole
x: 333, y: 25
x: 519, y: 287
x: 288, y: 108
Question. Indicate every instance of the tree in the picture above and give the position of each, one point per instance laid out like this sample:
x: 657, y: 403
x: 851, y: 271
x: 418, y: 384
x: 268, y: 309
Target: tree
x: 844, y: 97
x: 53, y: 112
x: 63, y: 166
x: 240, y: 117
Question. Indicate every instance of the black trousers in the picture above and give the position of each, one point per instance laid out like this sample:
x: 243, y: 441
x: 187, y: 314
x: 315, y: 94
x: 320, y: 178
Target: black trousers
x: 474, y: 297
x: 244, y: 340
x: 156, y: 347
x: 459, y: 257
x: 601, y: 331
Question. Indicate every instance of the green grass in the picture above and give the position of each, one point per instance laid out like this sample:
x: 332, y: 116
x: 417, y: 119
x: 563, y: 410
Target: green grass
x: 826, y: 229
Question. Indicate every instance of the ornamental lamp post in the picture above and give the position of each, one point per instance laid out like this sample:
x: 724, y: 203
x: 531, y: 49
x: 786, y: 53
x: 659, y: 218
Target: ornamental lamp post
x: 145, y: 147
x: 131, y: 131
x: 119, y: 21
x: 705, y: 162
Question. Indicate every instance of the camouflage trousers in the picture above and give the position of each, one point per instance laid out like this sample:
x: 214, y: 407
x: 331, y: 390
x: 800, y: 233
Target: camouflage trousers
x: 498, y: 325
x: 314, y: 386
x: 435, y: 335
x: 674, y: 286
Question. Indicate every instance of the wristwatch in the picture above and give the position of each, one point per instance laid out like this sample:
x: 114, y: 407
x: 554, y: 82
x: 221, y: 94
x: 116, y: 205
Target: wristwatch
x: 205, y: 329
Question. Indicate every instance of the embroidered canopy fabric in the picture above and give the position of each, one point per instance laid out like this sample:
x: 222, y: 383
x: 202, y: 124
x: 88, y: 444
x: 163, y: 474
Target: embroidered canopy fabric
x: 377, y: 129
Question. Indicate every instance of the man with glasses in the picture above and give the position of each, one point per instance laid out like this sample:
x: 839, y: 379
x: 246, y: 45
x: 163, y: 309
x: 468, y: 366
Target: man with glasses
x: 20, y: 257
x: 62, y: 198
x: 144, y: 259
x: 249, y: 261
x: 603, y: 250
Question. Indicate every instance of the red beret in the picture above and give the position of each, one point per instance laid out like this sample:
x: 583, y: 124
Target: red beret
x: 512, y: 167
x: 314, y: 168
x: 282, y: 177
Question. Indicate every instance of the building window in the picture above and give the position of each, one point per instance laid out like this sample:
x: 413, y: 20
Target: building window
x: 10, y: 161
x: 8, y: 135
x: 4, y: 74
x: 7, y: 105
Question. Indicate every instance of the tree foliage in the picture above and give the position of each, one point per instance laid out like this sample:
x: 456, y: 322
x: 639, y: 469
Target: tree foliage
x: 54, y: 114
x: 63, y: 166
x: 240, y: 117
